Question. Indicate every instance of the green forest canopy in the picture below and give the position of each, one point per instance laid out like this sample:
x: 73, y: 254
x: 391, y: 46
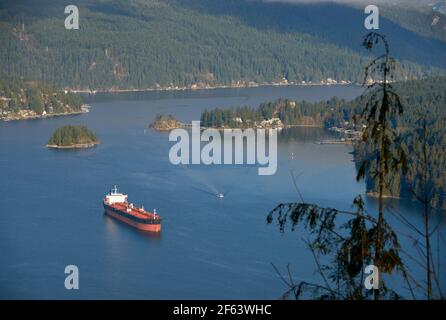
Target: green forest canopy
x: 72, y: 135
x: 31, y: 95
x: 142, y: 44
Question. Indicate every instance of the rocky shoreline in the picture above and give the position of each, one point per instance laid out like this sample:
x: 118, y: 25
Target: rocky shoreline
x: 74, y: 146
x: 165, y: 123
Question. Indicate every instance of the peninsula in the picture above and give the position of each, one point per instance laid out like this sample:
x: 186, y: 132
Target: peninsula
x: 23, y: 100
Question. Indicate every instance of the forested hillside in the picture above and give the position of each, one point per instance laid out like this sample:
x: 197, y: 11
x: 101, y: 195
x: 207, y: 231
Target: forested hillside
x: 154, y: 43
x: 424, y: 21
x: 420, y: 99
x: 337, y: 24
x: 27, y: 99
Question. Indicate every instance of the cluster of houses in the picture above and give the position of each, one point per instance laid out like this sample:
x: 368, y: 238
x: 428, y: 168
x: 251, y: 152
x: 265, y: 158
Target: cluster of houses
x: 273, y: 123
x: 19, y: 114
x: 328, y: 81
x: 354, y: 134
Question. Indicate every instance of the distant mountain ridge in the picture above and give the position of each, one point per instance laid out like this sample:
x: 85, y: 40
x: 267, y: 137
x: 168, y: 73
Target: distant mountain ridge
x: 335, y: 23
x: 191, y: 43
x: 440, y: 6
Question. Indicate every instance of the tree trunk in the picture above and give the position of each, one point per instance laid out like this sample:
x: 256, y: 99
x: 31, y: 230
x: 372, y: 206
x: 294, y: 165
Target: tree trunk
x: 428, y: 251
x: 426, y: 211
x: 378, y: 242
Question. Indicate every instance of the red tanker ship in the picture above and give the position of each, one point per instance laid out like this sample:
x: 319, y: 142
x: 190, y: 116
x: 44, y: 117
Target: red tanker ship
x: 117, y: 206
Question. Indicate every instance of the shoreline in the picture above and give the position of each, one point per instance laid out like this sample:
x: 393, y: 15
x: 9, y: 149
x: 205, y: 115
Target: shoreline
x: 85, y: 108
x: 184, y: 125
x: 304, y: 126
x: 74, y: 146
x: 375, y: 195
x: 191, y: 88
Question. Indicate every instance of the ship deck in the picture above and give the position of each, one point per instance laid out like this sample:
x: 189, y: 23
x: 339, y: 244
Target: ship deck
x: 137, y: 212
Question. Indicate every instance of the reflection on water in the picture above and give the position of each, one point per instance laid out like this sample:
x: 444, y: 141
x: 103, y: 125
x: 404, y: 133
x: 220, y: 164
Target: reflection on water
x: 304, y: 134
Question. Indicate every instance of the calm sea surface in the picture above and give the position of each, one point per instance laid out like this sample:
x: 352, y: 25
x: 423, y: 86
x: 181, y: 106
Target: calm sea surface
x: 51, y: 211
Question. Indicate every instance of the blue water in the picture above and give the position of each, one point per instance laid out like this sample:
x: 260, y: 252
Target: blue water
x: 51, y: 211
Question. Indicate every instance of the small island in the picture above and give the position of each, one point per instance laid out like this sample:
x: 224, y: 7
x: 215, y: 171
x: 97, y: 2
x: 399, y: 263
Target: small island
x: 165, y: 123
x: 72, y: 137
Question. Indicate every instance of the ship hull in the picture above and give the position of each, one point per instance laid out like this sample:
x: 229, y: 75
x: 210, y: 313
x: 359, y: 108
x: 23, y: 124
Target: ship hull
x: 122, y: 216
